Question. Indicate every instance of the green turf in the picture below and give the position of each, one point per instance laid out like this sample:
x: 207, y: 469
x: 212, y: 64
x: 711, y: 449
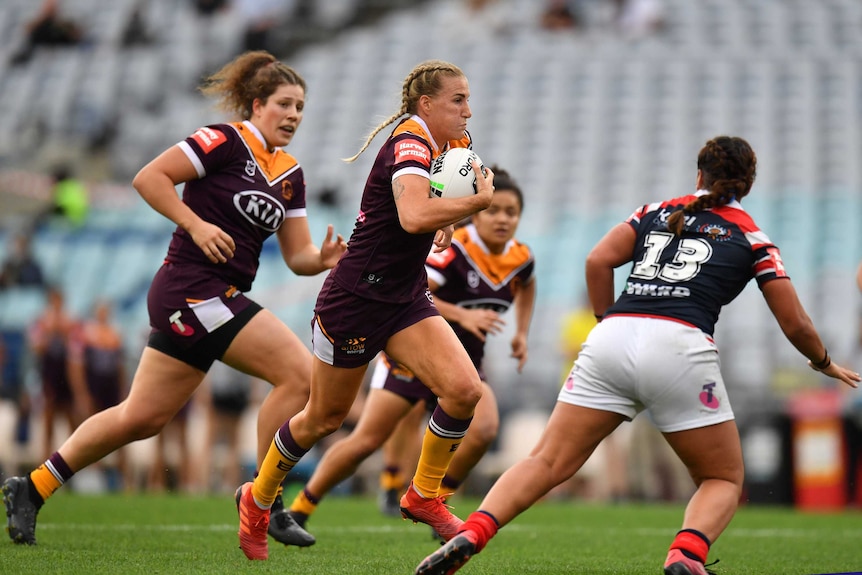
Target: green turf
x: 153, y: 534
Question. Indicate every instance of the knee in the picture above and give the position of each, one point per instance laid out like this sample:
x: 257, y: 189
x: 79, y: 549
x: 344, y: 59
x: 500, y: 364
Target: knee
x: 142, y: 426
x: 466, y: 394
x: 326, y: 424
x: 138, y: 429
x: 363, y: 447
x: 733, y: 476
x: 460, y: 401
x: 296, y: 386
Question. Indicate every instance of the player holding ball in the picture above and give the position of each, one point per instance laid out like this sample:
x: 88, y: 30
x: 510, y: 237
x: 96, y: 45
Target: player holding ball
x: 377, y: 299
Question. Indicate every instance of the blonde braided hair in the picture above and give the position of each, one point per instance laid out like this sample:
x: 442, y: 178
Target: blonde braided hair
x: 423, y: 80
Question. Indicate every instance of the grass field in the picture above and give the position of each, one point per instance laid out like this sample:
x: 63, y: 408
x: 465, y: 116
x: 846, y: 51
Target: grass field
x: 154, y: 534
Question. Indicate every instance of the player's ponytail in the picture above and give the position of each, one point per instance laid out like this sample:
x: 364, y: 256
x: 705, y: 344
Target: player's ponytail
x: 728, y: 167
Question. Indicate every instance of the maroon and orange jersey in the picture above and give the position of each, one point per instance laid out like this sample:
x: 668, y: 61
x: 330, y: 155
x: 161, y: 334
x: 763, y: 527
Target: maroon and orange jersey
x: 690, y: 277
x: 469, y: 275
x: 383, y: 262
x: 243, y: 188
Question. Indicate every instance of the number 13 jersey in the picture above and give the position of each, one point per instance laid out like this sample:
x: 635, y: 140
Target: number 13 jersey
x: 690, y: 277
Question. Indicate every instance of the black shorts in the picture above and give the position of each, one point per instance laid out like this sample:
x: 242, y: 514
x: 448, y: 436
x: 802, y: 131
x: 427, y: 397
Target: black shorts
x: 194, y: 314
x: 231, y: 403
x: 208, y: 348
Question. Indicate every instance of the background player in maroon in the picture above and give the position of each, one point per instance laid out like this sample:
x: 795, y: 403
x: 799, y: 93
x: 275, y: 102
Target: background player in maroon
x: 653, y: 350
x: 240, y: 188
x: 64, y: 395
x: 377, y: 298
x: 483, y: 273
x: 98, y: 354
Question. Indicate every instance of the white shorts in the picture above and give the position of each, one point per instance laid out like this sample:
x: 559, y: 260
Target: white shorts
x: 672, y: 370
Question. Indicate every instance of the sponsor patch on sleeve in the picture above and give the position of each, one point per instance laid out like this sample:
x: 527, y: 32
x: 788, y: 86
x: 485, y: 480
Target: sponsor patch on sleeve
x: 440, y: 259
x: 209, y: 139
x: 776, y: 261
x: 412, y: 150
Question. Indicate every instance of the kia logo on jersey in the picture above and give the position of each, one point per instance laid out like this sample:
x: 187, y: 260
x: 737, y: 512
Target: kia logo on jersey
x: 260, y: 209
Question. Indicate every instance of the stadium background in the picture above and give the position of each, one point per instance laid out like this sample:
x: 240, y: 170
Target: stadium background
x: 592, y: 122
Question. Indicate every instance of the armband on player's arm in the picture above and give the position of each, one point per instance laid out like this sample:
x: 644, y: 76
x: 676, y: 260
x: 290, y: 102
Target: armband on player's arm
x: 823, y: 363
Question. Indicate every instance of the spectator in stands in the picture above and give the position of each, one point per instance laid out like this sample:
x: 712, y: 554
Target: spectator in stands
x: 638, y: 18
x: 70, y: 196
x: 210, y: 7
x: 377, y: 299
x: 137, y: 31
x: 64, y: 393
x: 559, y: 15
x: 475, y: 281
x: 20, y: 268
x: 241, y: 187
x: 653, y: 349
x: 475, y: 19
x: 49, y: 28
x: 70, y: 200
x: 261, y: 17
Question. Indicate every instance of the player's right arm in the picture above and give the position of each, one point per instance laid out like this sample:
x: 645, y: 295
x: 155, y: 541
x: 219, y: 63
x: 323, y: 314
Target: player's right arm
x: 419, y: 212
x: 613, y: 250
x: 156, y: 183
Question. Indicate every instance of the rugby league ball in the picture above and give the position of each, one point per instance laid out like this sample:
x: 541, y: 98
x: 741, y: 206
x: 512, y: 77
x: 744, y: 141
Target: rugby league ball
x: 452, y: 173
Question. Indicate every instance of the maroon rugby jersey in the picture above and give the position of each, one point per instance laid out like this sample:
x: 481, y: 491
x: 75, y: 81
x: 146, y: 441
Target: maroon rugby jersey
x: 690, y: 277
x: 383, y: 262
x: 244, y: 189
x: 469, y: 275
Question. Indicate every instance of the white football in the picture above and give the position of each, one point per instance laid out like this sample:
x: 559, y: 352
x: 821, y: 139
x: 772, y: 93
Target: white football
x: 452, y: 173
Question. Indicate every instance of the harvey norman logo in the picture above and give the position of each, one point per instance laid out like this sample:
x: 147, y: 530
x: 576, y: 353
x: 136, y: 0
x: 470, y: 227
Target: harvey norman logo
x: 209, y: 139
x: 260, y: 209
x: 412, y: 150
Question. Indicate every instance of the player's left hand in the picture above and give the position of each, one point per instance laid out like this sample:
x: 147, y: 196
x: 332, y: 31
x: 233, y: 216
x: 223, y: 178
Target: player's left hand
x: 840, y: 373
x: 443, y: 238
x: 330, y: 251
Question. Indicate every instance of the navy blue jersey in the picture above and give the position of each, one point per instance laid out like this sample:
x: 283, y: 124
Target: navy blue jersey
x: 244, y: 189
x: 383, y: 262
x: 469, y: 275
x: 690, y: 277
